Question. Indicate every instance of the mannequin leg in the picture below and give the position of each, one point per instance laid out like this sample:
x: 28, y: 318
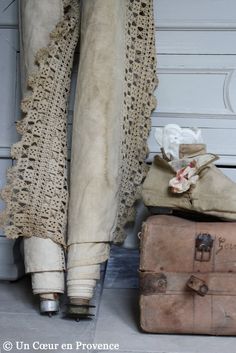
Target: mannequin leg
x: 95, y: 145
x: 44, y: 259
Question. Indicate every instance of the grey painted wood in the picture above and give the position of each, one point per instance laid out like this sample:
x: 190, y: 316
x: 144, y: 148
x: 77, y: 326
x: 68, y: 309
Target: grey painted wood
x: 8, y: 13
x: 9, y: 86
x: 11, y: 260
x: 122, y: 268
x: 195, y: 14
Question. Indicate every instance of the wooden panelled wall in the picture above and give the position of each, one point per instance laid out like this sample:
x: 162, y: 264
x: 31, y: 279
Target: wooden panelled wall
x: 196, y: 56
x: 10, y: 260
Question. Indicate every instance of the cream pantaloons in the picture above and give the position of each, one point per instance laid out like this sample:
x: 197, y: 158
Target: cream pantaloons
x: 44, y: 259
x: 111, y: 123
x: 113, y: 103
x: 95, y: 157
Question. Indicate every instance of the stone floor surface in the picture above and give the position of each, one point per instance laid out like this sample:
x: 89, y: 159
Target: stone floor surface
x: 22, y: 329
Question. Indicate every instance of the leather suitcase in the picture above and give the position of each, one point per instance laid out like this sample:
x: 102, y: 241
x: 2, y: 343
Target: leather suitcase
x: 188, y: 276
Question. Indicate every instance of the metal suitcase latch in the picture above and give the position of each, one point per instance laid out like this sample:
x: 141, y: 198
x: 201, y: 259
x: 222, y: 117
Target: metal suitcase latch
x: 152, y: 283
x: 197, y: 285
x: 203, y: 247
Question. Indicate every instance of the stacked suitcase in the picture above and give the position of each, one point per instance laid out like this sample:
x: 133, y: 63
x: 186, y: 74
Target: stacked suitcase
x: 188, y: 276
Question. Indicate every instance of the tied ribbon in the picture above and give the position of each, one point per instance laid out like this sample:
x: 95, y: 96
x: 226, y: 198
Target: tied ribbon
x: 185, y: 177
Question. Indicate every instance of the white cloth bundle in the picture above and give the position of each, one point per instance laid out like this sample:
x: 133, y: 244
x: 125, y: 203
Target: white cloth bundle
x: 171, y: 136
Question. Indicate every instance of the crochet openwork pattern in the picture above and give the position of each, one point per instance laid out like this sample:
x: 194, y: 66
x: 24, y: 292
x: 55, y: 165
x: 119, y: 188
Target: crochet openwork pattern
x: 139, y: 101
x: 36, y: 194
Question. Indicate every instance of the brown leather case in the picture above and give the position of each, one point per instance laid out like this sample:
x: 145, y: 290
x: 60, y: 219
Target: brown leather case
x: 188, y: 276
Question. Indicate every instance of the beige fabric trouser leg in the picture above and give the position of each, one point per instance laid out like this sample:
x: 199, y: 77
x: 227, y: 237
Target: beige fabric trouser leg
x: 95, y: 143
x: 44, y: 259
x: 84, y: 268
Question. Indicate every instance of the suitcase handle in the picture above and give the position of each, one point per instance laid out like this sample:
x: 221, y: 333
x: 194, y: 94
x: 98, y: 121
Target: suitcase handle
x: 197, y: 285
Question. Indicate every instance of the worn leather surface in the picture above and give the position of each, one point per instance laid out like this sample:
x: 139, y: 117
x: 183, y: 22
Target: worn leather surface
x: 186, y: 149
x: 214, y: 193
x: 168, y: 250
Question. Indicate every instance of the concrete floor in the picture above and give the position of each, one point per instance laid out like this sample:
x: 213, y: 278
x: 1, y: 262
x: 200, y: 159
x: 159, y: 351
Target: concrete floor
x: 116, y: 320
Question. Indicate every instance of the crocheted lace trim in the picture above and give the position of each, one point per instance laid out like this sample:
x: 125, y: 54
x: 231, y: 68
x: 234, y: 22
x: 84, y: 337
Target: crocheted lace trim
x: 139, y: 101
x: 36, y: 194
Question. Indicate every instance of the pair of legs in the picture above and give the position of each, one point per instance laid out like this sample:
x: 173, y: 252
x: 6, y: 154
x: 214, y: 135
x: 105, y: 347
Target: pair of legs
x: 113, y: 103
x: 94, y: 174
